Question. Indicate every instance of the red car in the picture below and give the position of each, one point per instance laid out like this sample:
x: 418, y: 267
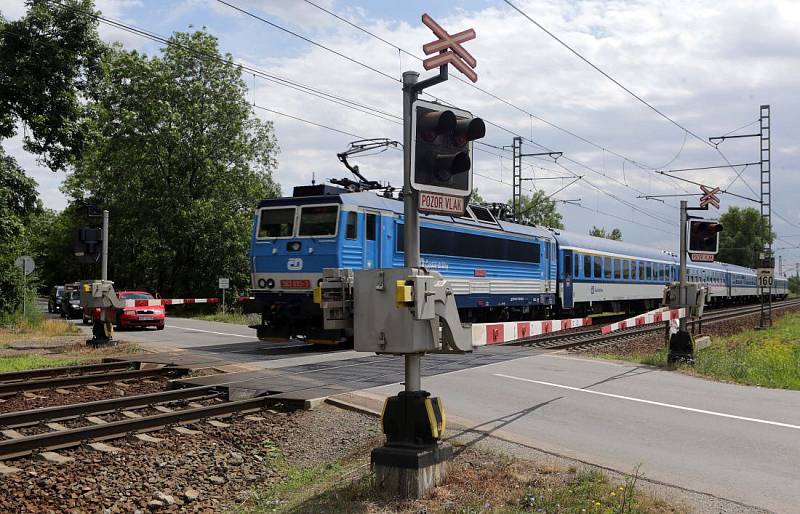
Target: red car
x: 130, y: 317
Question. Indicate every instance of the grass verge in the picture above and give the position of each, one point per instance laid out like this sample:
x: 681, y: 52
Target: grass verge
x: 25, y: 362
x: 237, y: 318
x: 767, y: 358
x: 479, y: 482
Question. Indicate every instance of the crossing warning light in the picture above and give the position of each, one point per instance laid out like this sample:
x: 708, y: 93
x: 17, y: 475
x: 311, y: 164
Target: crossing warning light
x: 704, y: 236
x: 441, y: 148
x: 87, y: 245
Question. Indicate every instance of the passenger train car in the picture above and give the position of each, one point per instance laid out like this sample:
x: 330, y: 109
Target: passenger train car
x: 497, y: 270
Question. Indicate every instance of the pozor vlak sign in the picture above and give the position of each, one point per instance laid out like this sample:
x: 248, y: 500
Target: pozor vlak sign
x: 445, y: 204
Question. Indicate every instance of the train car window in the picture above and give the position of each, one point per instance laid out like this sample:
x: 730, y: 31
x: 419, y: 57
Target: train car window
x: 648, y: 271
x: 606, y: 267
x: 587, y: 266
x: 459, y: 244
x: 598, y: 267
x: 617, y: 269
x: 276, y: 223
x: 568, y: 264
x: 372, y: 227
x: 352, y: 225
x: 641, y: 270
x: 661, y: 272
x: 577, y: 271
x: 318, y: 220
x: 626, y: 269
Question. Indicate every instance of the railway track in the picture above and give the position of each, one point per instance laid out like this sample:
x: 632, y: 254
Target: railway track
x: 66, y: 426
x: 18, y: 382
x: 593, y: 338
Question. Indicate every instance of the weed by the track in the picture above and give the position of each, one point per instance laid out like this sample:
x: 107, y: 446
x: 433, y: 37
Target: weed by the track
x: 767, y: 358
x: 480, y: 481
x: 25, y: 362
x: 31, y: 328
x: 234, y: 317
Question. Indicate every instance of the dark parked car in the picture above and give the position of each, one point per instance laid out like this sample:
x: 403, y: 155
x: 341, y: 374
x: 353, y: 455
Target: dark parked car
x: 54, y: 300
x: 71, y: 305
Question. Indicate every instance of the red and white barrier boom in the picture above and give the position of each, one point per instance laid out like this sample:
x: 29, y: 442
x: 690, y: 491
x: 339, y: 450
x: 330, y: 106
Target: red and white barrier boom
x: 495, y: 333
x: 169, y: 301
x: 656, y: 316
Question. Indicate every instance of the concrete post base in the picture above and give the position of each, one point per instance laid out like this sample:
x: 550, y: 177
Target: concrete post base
x: 410, y: 472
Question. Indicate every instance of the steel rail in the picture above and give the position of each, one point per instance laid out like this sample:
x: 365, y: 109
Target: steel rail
x: 61, y: 412
x: 92, y: 378
x: 20, y: 447
x: 69, y: 370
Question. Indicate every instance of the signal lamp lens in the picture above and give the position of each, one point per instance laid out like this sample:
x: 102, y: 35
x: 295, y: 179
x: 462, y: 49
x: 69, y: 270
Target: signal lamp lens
x: 270, y: 283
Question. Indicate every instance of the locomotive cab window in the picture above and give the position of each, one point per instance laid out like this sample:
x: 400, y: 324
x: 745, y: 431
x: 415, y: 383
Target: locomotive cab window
x: 276, y: 223
x: 318, y: 220
x: 351, y: 232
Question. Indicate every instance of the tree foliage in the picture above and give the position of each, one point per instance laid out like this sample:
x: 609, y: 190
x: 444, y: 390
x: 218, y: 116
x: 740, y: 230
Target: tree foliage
x: 475, y: 196
x: 19, y: 204
x: 615, y: 234
x: 538, y: 209
x: 176, y: 155
x: 744, y: 233
x: 48, y: 60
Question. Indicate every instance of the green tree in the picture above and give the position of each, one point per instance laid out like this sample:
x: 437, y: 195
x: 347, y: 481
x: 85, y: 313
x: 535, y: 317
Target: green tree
x: 48, y: 60
x: 475, y: 196
x: 794, y: 285
x: 176, y: 155
x: 743, y: 234
x: 538, y: 209
x: 19, y: 202
x: 615, y: 234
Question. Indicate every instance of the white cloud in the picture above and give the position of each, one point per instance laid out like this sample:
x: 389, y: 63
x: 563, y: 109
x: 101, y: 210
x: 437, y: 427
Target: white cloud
x: 708, y: 65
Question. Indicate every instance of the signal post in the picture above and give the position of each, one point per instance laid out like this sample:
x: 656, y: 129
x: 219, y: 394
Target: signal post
x: 699, y: 238
x: 411, y: 311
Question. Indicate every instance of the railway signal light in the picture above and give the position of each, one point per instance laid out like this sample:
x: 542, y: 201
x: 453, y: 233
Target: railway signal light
x: 88, y: 244
x: 441, y: 148
x: 704, y: 236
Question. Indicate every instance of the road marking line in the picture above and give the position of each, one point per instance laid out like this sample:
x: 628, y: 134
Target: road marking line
x: 211, y: 332
x: 651, y: 402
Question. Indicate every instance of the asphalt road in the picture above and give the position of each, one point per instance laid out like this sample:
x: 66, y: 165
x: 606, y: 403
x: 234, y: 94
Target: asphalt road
x: 736, y: 442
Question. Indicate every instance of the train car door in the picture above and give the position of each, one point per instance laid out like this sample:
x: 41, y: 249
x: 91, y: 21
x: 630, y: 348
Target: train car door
x: 372, y: 240
x: 569, y: 266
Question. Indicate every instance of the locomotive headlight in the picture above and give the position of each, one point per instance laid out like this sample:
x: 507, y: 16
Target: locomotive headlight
x: 270, y: 283
x: 294, y: 246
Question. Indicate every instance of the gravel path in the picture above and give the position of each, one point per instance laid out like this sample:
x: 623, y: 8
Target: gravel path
x: 207, y: 472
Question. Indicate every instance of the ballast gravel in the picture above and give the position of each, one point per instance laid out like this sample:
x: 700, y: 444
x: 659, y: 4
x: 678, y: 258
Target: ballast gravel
x: 208, y: 472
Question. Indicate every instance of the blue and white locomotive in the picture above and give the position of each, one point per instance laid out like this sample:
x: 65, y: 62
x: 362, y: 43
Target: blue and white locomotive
x: 498, y: 270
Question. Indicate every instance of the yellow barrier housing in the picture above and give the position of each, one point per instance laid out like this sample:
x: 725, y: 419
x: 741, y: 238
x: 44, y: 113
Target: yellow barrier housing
x: 404, y: 293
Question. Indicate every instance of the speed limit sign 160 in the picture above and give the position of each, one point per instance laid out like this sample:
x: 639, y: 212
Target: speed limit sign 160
x: 765, y: 277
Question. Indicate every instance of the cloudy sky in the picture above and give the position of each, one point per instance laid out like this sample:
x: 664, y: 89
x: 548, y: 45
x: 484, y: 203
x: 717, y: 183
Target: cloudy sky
x: 707, y: 65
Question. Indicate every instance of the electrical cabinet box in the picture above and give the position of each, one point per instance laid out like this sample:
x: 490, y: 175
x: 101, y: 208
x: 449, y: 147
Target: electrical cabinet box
x: 384, y: 321
x: 99, y: 294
